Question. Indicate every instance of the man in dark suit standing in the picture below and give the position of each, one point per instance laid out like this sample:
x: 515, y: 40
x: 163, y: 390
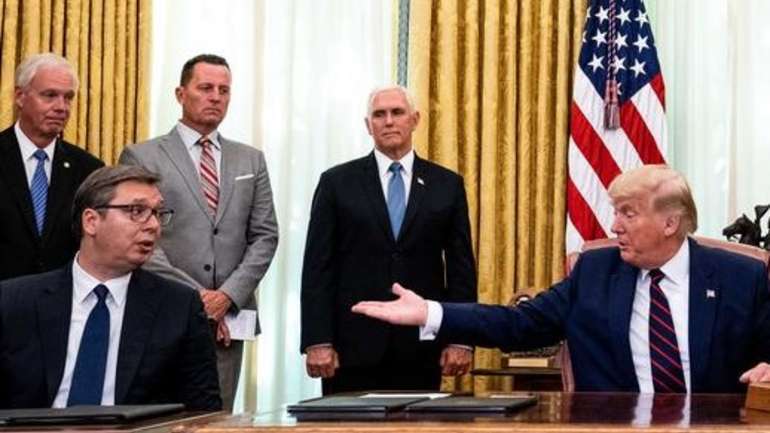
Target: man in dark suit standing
x: 657, y: 314
x: 385, y: 218
x: 39, y: 172
x: 101, y: 331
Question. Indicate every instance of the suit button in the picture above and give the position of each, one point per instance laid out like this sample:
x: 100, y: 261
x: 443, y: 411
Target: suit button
x: 395, y: 256
x: 216, y: 232
x: 206, y: 268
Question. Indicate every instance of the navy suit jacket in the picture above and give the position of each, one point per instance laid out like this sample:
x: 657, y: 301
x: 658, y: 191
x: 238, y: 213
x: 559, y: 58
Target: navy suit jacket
x: 351, y: 255
x: 23, y: 251
x: 166, y: 352
x: 729, y: 325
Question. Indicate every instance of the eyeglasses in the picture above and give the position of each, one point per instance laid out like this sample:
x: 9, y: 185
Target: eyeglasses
x: 140, y: 213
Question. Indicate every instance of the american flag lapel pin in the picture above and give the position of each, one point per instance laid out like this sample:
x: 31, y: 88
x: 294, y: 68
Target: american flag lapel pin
x: 420, y: 181
x: 711, y: 294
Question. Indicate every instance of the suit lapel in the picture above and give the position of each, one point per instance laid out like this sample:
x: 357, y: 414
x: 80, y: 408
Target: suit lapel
x: 704, y: 300
x: 373, y: 191
x: 177, y: 153
x: 54, y: 309
x: 227, y: 175
x: 12, y: 169
x: 142, y: 303
x: 621, y: 298
x: 416, y: 194
x: 62, y: 177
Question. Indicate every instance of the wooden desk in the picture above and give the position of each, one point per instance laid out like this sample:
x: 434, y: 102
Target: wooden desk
x: 555, y: 412
x: 526, y: 378
x: 176, y: 423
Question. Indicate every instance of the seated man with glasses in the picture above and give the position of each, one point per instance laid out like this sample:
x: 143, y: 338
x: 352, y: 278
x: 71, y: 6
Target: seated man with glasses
x: 101, y: 331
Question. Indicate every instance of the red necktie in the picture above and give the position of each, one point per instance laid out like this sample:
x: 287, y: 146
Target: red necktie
x: 667, y: 372
x: 208, y: 174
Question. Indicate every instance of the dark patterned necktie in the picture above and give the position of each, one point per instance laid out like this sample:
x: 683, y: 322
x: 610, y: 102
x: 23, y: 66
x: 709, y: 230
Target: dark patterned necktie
x: 667, y: 372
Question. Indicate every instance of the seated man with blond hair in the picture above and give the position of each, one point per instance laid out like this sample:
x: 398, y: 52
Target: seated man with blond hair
x: 658, y: 313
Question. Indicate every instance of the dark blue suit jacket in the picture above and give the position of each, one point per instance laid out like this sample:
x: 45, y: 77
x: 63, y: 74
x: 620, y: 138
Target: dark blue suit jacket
x: 591, y: 309
x: 166, y: 353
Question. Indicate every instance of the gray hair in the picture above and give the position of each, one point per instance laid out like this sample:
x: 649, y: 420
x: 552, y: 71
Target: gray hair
x: 407, y: 95
x: 26, y: 71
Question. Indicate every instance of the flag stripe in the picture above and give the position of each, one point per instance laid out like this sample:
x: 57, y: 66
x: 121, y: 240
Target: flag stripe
x: 596, y: 154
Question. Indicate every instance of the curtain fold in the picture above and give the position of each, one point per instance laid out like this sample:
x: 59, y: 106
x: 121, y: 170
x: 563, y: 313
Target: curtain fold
x: 493, y: 82
x: 110, y: 56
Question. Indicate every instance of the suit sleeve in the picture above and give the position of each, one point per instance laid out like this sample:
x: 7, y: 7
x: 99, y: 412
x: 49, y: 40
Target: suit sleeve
x: 762, y: 316
x: 262, y: 239
x: 533, y: 324
x: 460, y: 265
x: 197, y: 378
x: 318, y: 269
x: 158, y: 262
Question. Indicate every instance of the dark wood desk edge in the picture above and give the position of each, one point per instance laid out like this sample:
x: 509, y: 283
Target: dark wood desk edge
x: 177, y: 423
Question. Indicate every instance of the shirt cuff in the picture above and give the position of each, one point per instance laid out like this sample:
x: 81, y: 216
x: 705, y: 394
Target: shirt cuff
x: 432, y: 322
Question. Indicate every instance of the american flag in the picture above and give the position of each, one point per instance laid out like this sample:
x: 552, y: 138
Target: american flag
x: 617, y: 117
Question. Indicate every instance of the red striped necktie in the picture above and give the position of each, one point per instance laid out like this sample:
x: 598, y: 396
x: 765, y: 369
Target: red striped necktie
x: 667, y: 372
x: 208, y: 174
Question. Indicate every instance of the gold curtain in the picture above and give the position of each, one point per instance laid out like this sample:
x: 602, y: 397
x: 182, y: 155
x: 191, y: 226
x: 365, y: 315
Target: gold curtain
x: 493, y: 82
x: 108, y: 42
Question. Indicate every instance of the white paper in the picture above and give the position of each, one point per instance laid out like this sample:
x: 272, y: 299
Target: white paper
x: 406, y: 395
x: 242, y: 325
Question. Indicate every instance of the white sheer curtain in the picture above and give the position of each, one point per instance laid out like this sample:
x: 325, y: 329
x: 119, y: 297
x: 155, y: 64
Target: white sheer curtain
x: 321, y: 58
x: 302, y: 70
x: 183, y: 29
x: 714, y: 55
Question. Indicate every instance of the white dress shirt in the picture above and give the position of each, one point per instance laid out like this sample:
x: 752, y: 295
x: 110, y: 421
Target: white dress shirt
x: 83, y: 301
x: 676, y: 287
x: 383, y: 164
x: 191, y: 136
x: 28, y: 148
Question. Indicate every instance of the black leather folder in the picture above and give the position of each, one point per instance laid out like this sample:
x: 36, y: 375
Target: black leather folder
x: 86, y: 414
x: 339, y: 403
x: 472, y: 404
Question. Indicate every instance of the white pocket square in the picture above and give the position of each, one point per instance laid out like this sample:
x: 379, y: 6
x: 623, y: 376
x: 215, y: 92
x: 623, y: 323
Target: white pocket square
x: 244, y: 176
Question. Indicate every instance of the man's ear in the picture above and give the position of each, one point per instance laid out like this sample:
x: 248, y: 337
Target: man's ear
x: 368, y: 125
x: 178, y: 93
x: 671, y: 224
x: 90, y: 221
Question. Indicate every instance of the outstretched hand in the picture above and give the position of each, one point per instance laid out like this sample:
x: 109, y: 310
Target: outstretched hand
x: 408, y: 309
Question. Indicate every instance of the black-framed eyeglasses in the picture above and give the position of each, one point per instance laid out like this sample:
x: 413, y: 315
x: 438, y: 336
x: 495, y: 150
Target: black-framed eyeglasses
x: 140, y: 213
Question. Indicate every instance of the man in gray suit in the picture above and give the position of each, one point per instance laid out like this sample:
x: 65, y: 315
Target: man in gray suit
x: 225, y: 232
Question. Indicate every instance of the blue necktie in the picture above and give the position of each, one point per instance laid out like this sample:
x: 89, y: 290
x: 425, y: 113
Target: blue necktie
x: 88, y: 376
x: 39, y: 190
x: 396, y: 198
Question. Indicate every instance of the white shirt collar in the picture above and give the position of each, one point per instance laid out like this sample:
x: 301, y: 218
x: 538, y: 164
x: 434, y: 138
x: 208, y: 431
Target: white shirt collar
x: 27, y: 147
x: 191, y: 136
x: 83, y: 284
x: 677, y: 269
x: 384, y: 161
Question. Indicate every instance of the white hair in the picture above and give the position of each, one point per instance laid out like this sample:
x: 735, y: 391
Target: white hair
x: 407, y: 95
x: 26, y: 71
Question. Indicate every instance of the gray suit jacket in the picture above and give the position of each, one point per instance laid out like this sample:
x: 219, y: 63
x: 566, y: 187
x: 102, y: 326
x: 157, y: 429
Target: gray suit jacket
x: 230, y: 252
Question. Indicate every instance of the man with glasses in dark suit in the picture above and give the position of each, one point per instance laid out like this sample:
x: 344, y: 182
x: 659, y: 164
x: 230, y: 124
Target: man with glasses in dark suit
x: 101, y: 331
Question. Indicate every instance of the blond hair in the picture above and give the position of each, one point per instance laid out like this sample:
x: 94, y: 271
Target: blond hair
x: 667, y: 189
